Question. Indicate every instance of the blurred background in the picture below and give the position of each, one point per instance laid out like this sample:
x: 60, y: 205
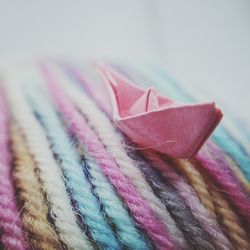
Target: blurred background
x: 203, y: 44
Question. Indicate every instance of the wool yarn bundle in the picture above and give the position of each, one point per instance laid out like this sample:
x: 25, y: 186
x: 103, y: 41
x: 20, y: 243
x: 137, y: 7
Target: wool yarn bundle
x: 70, y: 179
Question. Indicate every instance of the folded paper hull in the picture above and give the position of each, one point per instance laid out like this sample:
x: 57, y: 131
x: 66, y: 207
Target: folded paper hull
x: 157, y: 122
x: 177, y: 131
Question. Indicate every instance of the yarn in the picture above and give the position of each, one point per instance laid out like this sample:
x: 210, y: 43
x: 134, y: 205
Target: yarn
x: 126, y: 231
x: 176, y: 206
x: 40, y: 232
x: 69, y: 179
x: 228, y: 165
x: 196, y: 180
x: 230, y: 147
x: 49, y: 172
x: 233, y: 165
x: 75, y: 179
x: 12, y: 235
x: 69, y: 160
x: 140, y: 209
x: 114, y: 144
x: 230, y: 220
x: 207, y: 222
x: 225, y: 181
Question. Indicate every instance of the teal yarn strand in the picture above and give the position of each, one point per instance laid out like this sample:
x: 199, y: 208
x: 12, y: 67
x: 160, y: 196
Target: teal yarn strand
x: 75, y: 179
x: 244, y: 130
x: 126, y: 231
x: 223, y: 139
x: 220, y: 135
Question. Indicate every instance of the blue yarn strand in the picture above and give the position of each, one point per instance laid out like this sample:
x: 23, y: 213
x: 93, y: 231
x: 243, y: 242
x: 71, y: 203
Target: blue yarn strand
x: 75, y: 179
x: 113, y: 207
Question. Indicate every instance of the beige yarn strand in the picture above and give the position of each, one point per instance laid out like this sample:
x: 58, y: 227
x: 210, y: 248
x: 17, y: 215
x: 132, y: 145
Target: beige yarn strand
x: 40, y: 233
x: 113, y: 142
x: 230, y: 220
x: 49, y: 172
x: 196, y: 180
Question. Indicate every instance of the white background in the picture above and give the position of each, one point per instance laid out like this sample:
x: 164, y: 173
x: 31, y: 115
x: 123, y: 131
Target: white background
x: 203, y: 43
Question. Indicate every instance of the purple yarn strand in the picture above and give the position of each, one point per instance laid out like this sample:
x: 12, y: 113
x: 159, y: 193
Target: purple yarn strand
x: 10, y: 223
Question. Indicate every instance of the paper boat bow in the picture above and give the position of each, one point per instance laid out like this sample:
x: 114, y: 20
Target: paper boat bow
x: 157, y: 122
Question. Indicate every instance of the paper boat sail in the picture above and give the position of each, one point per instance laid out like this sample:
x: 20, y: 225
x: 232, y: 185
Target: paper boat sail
x: 157, y: 122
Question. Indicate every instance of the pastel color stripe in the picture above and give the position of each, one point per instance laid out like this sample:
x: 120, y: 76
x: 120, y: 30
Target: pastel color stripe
x: 70, y: 179
x: 10, y: 224
x: 79, y: 127
x: 76, y: 181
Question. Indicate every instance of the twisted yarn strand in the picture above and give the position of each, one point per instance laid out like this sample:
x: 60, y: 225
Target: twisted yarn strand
x: 125, y: 229
x: 227, y: 183
x: 113, y: 143
x: 198, y: 183
x: 49, y: 172
x: 10, y: 223
x: 75, y: 178
x: 69, y: 179
x: 233, y: 165
x: 228, y: 165
x: 231, y: 147
x: 41, y: 234
x: 200, y: 213
x: 230, y: 220
x: 176, y: 205
x: 140, y: 209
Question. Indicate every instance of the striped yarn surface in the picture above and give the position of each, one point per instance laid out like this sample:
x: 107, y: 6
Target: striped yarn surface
x: 49, y: 172
x: 230, y: 220
x: 11, y: 231
x: 137, y: 205
x: 200, y: 213
x: 65, y: 153
x: 40, y: 232
x: 114, y: 144
x: 69, y: 179
x: 173, y: 201
x: 76, y: 181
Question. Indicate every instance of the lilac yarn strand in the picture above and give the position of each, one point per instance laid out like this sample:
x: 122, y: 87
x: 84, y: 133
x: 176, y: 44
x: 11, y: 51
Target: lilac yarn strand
x: 200, y: 213
x: 139, y: 208
x: 10, y: 223
x: 218, y: 155
x: 175, y: 204
x: 226, y: 182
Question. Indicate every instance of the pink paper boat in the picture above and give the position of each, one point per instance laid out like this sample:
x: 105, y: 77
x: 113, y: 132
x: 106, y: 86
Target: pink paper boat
x: 157, y: 122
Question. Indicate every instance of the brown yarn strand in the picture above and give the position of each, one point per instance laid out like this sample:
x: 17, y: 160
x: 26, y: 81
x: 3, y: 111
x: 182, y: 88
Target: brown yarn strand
x: 198, y: 183
x: 229, y: 220
x: 40, y: 232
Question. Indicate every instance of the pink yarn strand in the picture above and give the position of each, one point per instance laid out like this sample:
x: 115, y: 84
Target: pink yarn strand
x: 139, y: 208
x: 10, y: 223
x: 227, y: 183
x: 209, y: 225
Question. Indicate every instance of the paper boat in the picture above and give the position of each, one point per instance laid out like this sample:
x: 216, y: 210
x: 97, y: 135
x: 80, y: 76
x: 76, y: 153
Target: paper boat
x: 154, y: 121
